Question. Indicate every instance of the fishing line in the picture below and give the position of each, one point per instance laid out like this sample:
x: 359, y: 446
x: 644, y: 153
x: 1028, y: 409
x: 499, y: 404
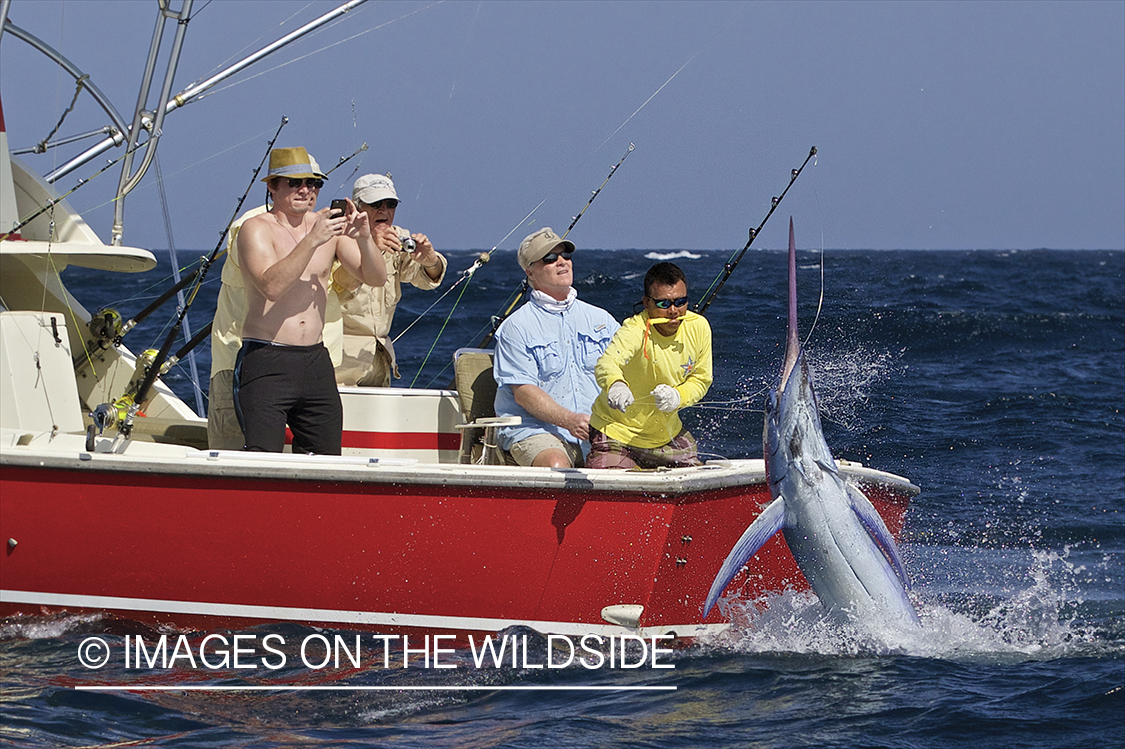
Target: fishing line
x: 317, y: 51
x: 496, y: 320
x: 448, y: 102
x: 176, y: 274
x: 438, y: 336
x: 465, y: 275
x: 462, y: 276
x: 820, y: 302
x: 248, y: 45
x: 524, y: 286
x: 654, y: 93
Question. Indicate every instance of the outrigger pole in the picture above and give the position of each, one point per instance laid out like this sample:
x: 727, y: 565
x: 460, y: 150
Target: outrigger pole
x: 709, y: 296
x: 523, y: 284
x: 121, y: 412
x: 120, y: 132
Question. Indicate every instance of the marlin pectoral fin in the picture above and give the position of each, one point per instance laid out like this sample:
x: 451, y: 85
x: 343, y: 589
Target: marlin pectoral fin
x: 828, y: 466
x: 768, y: 523
x: 874, y: 524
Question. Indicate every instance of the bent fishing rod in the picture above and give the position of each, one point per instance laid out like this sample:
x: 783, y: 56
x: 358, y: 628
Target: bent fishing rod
x: 122, y: 412
x: 498, y: 319
x: 709, y: 296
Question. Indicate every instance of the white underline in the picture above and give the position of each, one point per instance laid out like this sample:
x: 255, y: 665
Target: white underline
x: 444, y: 688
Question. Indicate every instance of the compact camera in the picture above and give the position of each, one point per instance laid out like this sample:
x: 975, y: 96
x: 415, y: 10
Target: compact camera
x: 408, y: 244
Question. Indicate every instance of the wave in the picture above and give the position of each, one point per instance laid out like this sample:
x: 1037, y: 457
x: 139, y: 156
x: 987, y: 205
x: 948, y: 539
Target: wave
x: 685, y: 254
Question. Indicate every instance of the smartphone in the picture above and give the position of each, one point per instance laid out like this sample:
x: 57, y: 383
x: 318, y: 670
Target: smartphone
x: 338, y: 205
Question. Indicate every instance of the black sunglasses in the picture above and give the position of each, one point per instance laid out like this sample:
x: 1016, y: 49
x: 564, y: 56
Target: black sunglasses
x: 551, y: 257
x: 310, y: 181
x: 386, y: 204
x: 666, y: 303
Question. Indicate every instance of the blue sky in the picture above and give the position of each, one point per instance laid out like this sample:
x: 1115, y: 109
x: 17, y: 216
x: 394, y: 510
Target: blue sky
x: 938, y: 125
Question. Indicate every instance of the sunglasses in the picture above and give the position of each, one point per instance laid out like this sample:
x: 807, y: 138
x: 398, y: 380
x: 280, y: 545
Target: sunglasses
x: 389, y: 205
x: 551, y: 257
x: 666, y: 303
x: 310, y: 181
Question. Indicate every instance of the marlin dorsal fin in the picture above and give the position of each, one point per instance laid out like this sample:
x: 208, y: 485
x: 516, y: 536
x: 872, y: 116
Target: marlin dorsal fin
x: 792, y: 339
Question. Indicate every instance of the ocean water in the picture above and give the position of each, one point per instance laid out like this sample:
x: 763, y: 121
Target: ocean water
x: 993, y: 380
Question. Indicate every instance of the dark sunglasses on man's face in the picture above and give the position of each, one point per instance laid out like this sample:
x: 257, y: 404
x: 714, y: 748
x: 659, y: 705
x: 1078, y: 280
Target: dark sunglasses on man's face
x: 666, y: 303
x: 310, y: 181
x: 389, y: 204
x: 551, y: 257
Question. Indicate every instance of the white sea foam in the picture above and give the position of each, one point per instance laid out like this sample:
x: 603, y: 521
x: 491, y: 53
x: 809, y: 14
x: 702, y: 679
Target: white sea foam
x: 1032, y: 619
x: 45, y: 627
x: 685, y: 254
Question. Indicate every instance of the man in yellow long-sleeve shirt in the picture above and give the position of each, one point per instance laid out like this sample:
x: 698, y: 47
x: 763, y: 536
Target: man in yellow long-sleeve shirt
x: 657, y: 363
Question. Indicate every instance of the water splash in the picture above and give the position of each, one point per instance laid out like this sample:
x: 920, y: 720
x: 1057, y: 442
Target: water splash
x: 846, y: 376
x: 1036, y: 620
x: 46, y: 626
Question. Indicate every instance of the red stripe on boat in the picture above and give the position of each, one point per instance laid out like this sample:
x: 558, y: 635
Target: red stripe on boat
x: 396, y: 440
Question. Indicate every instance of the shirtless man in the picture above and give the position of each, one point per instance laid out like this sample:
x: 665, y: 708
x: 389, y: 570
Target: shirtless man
x: 284, y: 374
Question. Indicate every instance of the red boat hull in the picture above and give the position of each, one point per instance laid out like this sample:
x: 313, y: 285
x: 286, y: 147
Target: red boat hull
x: 197, y: 551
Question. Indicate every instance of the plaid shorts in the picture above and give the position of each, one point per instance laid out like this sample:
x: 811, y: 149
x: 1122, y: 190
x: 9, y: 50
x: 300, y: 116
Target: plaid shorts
x: 606, y: 452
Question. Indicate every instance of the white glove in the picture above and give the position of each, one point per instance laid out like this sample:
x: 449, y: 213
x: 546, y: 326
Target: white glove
x: 667, y: 397
x: 619, y: 396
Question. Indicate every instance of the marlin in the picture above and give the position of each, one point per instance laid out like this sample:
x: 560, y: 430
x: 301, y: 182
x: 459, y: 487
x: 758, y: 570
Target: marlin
x: 838, y: 539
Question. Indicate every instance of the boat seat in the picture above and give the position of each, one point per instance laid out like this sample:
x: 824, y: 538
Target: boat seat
x: 476, y: 392
x: 38, y: 392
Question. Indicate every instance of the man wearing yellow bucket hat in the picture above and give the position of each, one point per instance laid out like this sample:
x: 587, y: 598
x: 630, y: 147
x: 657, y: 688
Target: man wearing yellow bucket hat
x: 284, y: 374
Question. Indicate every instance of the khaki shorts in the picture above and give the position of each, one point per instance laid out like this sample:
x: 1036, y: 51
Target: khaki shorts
x: 223, y: 429
x: 526, y: 450
x: 365, y: 363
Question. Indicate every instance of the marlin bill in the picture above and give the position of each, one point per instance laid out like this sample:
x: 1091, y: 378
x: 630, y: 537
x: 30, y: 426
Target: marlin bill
x: 836, y: 536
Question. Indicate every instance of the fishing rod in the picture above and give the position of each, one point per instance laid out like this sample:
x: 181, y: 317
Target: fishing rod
x: 594, y: 194
x: 498, y: 319
x: 709, y: 296
x: 55, y: 201
x: 345, y: 159
x: 122, y: 412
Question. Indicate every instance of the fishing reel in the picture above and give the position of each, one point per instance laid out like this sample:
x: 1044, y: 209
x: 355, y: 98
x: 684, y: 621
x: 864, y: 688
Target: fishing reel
x: 119, y: 414
x: 106, y: 327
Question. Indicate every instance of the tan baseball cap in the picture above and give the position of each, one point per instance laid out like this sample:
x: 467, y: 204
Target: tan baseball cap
x: 371, y: 188
x: 543, y: 242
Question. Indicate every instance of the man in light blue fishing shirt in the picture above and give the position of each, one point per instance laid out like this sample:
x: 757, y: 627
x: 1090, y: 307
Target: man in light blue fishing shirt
x: 545, y: 356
